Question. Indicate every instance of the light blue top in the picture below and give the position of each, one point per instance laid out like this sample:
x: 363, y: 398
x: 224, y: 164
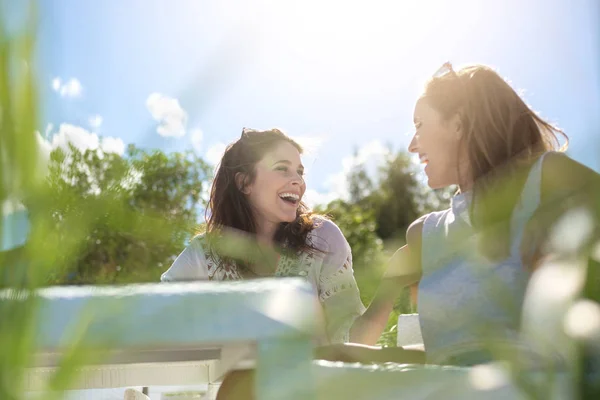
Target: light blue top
x: 464, y: 299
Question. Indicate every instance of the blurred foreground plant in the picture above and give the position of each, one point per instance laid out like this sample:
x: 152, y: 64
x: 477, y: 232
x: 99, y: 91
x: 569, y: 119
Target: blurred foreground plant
x: 19, y: 166
x: 23, y: 268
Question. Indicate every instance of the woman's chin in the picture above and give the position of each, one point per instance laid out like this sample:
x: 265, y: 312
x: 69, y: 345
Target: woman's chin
x: 287, y: 217
x: 432, y: 180
x: 290, y: 218
x: 437, y: 184
x: 433, y: 183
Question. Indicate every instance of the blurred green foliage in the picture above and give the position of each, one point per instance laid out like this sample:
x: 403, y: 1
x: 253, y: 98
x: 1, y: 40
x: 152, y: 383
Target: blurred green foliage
x: 120, y: 218
x: 20, y: 178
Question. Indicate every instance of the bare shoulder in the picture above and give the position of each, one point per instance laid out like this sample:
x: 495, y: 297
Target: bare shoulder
x: 414, y: 240
x: 414, y: 233
x: 563, y: 175
x: 406, y: 261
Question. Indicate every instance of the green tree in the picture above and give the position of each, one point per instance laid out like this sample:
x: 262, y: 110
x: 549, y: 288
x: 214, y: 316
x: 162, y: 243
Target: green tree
x: 360, y: 184
x: 121, y: 219
x: 398, y: 196
x: 397, y: 205
x: 358, y: 226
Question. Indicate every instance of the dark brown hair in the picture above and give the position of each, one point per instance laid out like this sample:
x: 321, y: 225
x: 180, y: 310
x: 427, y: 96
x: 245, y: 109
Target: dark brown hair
x: 501, y: 137
x: 229, y: 208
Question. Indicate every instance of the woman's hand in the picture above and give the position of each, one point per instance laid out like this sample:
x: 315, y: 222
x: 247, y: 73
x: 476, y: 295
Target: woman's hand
x: 368, y: 327
x: 352, y: 353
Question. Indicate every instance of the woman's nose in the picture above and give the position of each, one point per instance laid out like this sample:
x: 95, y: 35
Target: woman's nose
x: 297, y: 179
x: 412, y: 146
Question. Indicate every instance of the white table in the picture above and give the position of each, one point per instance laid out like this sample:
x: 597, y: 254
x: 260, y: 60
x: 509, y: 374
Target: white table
x: 181, y: 333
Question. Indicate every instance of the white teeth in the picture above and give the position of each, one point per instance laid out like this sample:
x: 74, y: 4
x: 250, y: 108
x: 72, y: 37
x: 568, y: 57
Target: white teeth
x: 423, y: 159
x: 289, y: 196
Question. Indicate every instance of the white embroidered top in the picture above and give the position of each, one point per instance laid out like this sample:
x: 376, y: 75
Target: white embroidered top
x: 330, y: 273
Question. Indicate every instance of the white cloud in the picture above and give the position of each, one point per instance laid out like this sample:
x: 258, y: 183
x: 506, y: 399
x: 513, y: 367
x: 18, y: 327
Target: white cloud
x: 70, y: 88
x: 44, y: 149
x: 113, y: 145
x: 313, y: 198
x: 169, y: 114
x: 370, y: 156
x: 56, y: 84
x: 95, y: 121
x: 308, y: 143
x: 215, y: 153
x: 338, y: 185
x: 81, y: 139
x: 196, y: 139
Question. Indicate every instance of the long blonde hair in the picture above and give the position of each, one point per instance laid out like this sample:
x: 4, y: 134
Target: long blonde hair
x: 501, y: 138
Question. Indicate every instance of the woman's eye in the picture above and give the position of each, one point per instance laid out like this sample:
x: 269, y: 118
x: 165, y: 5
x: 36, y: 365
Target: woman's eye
x: 281, y: 168
x: 301, y: 172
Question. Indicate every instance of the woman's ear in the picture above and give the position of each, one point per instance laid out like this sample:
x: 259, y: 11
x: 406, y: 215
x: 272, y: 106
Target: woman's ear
x: 241, y: 182
x: 456, y: 126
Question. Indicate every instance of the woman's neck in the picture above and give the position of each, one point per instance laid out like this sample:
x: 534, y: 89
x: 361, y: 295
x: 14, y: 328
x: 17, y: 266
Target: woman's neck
x: 267, y: 256
x: 465, y: 186
x: 465, y: 177
x: 265, y: 232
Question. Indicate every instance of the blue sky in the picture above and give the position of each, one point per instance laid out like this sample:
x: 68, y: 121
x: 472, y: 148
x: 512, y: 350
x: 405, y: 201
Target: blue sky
x: 345, y: 73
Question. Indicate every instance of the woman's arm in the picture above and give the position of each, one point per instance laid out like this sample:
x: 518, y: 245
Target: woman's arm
x: 337, y: 288
x: 404, y: 269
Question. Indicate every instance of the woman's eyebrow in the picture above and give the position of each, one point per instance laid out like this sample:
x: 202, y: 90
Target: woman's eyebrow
x: 288, y: 162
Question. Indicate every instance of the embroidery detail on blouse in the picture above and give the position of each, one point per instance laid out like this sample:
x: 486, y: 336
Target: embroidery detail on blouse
x: 296, y: 266
x: 287, y: 266
x: 217, y: 270
x: 340, y: 280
